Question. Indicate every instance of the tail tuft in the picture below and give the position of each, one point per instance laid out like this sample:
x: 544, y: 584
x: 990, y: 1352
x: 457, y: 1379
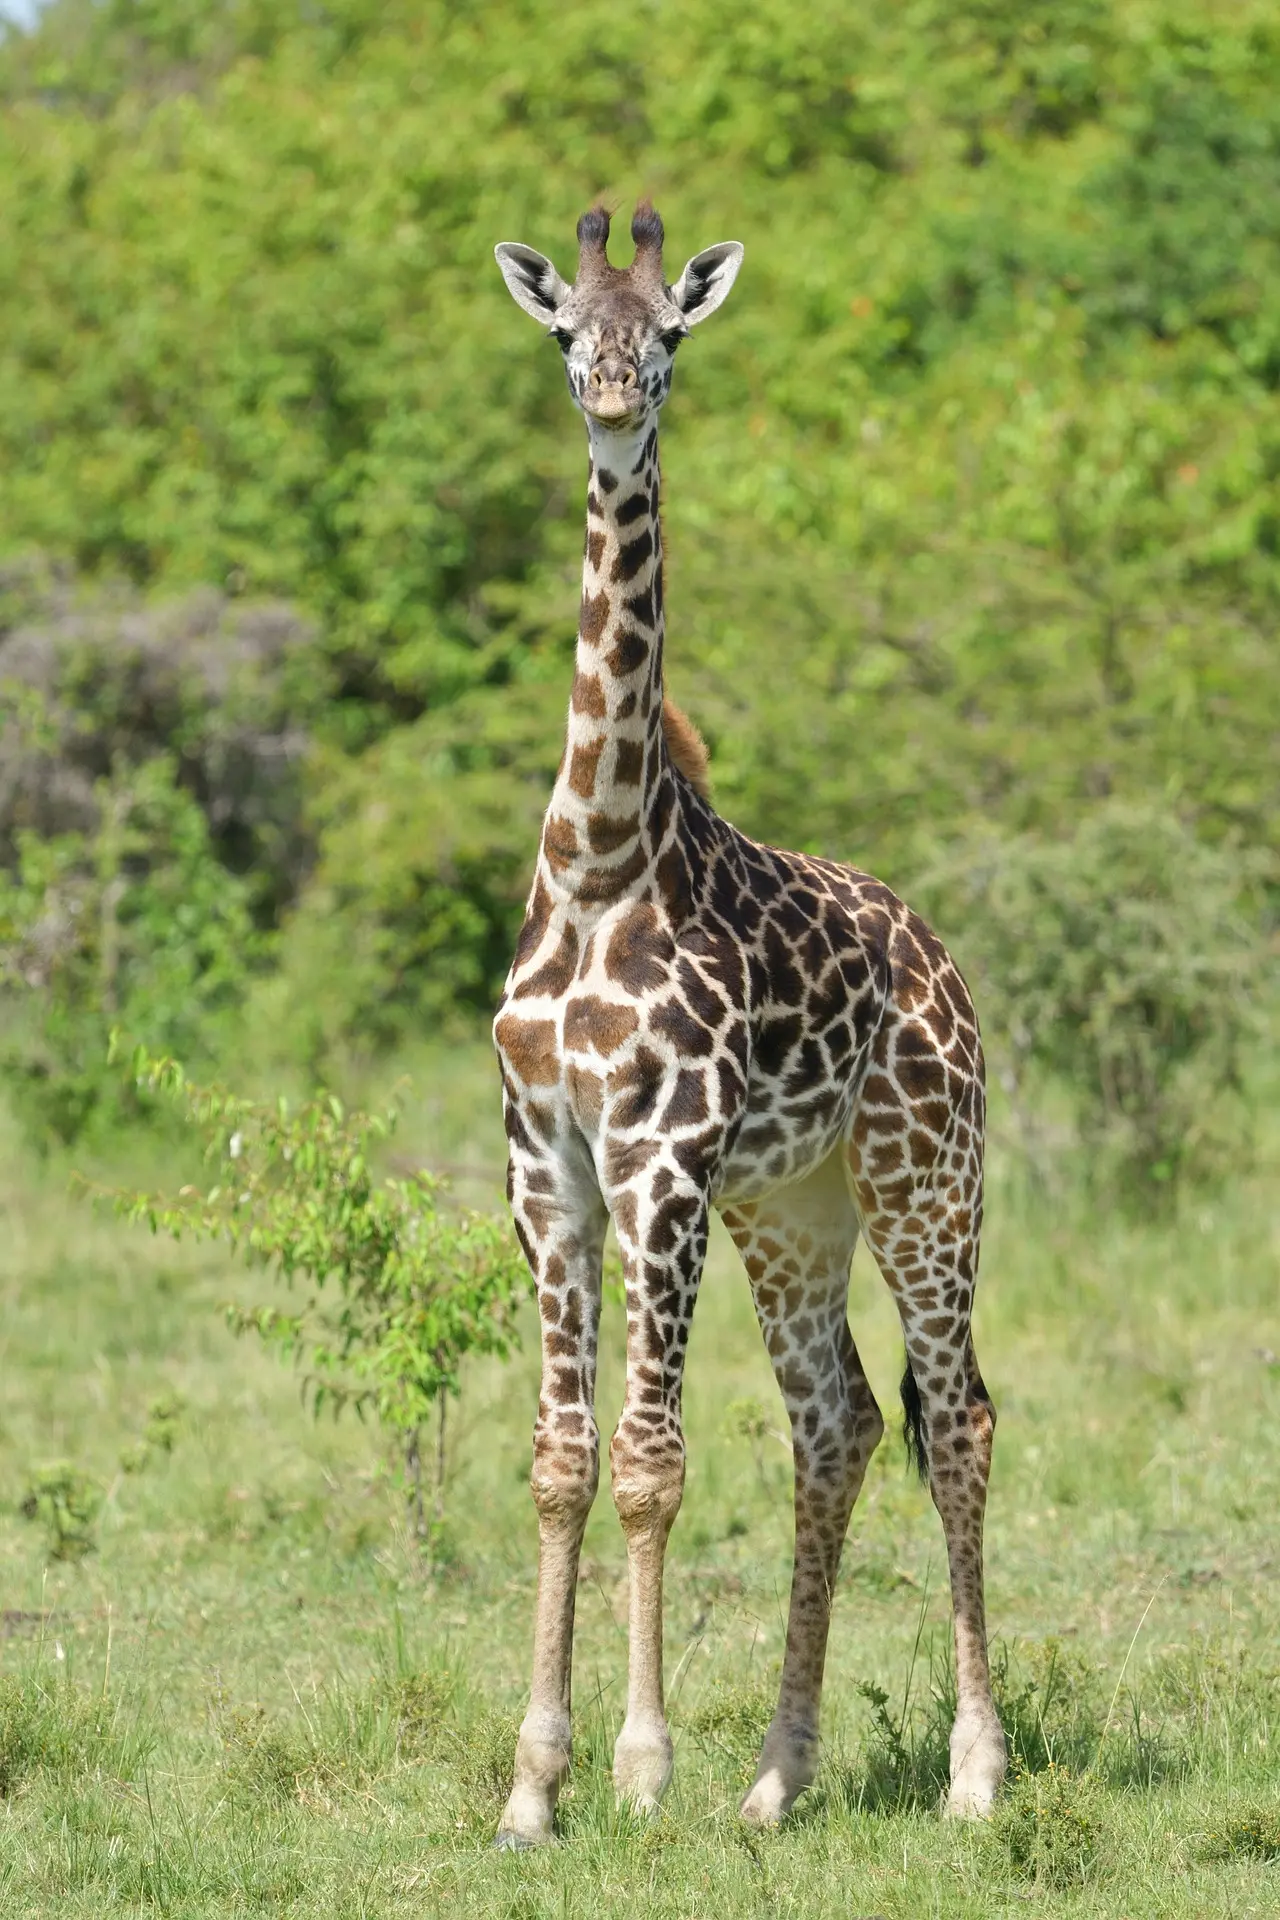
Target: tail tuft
x: 913, y: 1424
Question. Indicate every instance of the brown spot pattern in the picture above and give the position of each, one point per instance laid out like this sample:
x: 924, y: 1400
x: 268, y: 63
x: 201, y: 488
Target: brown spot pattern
x: 529, y: 1048
x: 592, y: 1024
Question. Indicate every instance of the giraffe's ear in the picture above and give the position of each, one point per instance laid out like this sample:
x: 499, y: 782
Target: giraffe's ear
x: 531, y: 280
x: 706, y: 281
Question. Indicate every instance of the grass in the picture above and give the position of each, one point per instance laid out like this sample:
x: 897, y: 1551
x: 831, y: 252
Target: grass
x: 228, y: 1686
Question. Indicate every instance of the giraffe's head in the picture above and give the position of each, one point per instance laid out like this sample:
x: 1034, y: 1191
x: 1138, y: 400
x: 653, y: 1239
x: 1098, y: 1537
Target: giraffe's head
x: 618, y: 327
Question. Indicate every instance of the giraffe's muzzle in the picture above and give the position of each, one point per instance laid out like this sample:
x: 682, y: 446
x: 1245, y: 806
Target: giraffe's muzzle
x: 613, y: 392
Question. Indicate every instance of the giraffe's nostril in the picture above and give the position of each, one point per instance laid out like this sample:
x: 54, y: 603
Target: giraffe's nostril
x: 613, y: 373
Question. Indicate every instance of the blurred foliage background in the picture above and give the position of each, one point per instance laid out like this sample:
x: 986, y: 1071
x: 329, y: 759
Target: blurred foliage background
x: 973, y: 512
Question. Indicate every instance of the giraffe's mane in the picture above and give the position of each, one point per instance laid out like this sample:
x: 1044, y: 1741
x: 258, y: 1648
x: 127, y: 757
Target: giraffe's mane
x: 687, y: 748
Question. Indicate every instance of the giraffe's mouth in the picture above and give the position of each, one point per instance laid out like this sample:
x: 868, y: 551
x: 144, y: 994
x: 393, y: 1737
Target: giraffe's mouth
x: 613, y: 406
x: 617, y: 422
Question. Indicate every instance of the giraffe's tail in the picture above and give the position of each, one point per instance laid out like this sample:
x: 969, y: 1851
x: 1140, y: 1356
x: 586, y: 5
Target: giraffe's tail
x: 913, y: 1423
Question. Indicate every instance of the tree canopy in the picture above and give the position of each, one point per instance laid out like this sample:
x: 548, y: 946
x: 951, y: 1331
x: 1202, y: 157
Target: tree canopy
x: 972, y: 489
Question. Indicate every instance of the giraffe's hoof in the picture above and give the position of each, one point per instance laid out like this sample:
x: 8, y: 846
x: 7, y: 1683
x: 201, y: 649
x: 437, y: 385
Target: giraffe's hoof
x: 642, y: 1765
x: 966, y: 1804
x: 768, y: 1802
x: 978, y: 1762
x: 528, y: 1820
x: 788, y: 1762
x: 771, y: 1799
x: 506, y: 1841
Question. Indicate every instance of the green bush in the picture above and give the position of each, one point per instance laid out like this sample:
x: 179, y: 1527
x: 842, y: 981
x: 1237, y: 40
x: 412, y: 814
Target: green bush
x: 1126, y: 963
x: 159, y: 1435
x: 392, y: 1289
x: 1249, y: 1834
x: 728, y: 1726
x: 1047, y: 1826
x: 66, y: 1502
x: 427, y: 846
x: 224, y: 687
x: 134, y: 922
x: 266, y: 1764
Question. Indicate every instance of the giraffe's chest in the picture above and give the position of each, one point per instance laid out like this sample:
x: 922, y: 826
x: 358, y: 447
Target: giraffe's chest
x: 615, y: 1025
x: 634, y: 1039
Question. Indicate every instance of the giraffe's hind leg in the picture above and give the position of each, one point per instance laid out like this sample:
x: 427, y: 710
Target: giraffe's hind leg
x: 955, y: 1425
x: 797, y: 1246
x: 921, y: 1204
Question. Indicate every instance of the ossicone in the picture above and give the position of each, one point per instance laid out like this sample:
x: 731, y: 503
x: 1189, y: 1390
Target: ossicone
x: 646, y: 231
x: 646, y: 228
x: 593, y: 238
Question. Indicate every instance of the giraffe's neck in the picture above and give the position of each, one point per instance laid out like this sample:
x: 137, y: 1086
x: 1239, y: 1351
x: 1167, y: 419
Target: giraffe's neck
x: 595, y: 838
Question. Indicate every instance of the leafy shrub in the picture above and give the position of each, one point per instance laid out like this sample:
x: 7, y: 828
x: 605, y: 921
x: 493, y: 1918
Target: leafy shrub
x: 264, y: 1762
x: 164, y: 1421
x: 728, y: 1725
x: 1125, y: 963
x: 422, y: 1703
x: 1053, y: 1714
x: 483, y: 1756
x: 1192, y: 201
x: 159, y: 1435
x: 397, y: 1289
x: 1253, y: 1834
x: 134, y: 921
x: 1048, y: 1828
x: 1051, y: 1705
x: 66, y: 1502
x: 426, y: 847
x: 907, y: 1761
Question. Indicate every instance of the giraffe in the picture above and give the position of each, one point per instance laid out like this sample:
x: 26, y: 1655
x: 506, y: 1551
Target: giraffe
x: 695, y: 1020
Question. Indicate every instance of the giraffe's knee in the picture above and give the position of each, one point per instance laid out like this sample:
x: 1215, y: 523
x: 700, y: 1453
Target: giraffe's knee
x: 831, y: 1456
x: 566, y: 1471
x: 648, y: 1481
x: 960, y: 1439
x: 862, y: 1423
x: 978, y: 1415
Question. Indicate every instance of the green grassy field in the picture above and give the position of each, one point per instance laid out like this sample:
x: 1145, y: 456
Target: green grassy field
x: 250, y: 1697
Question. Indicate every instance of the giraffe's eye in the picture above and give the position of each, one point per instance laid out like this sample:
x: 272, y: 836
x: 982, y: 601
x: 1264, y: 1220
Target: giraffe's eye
x: 671, y: 338
x: 562, y: 339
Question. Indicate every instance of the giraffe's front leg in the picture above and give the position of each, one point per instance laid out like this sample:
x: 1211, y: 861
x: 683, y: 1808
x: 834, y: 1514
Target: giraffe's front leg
x: 662, y: 1236
x: 561, y: 1220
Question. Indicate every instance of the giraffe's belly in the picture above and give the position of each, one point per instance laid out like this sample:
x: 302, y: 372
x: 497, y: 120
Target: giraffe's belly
x: 776, y: 1147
